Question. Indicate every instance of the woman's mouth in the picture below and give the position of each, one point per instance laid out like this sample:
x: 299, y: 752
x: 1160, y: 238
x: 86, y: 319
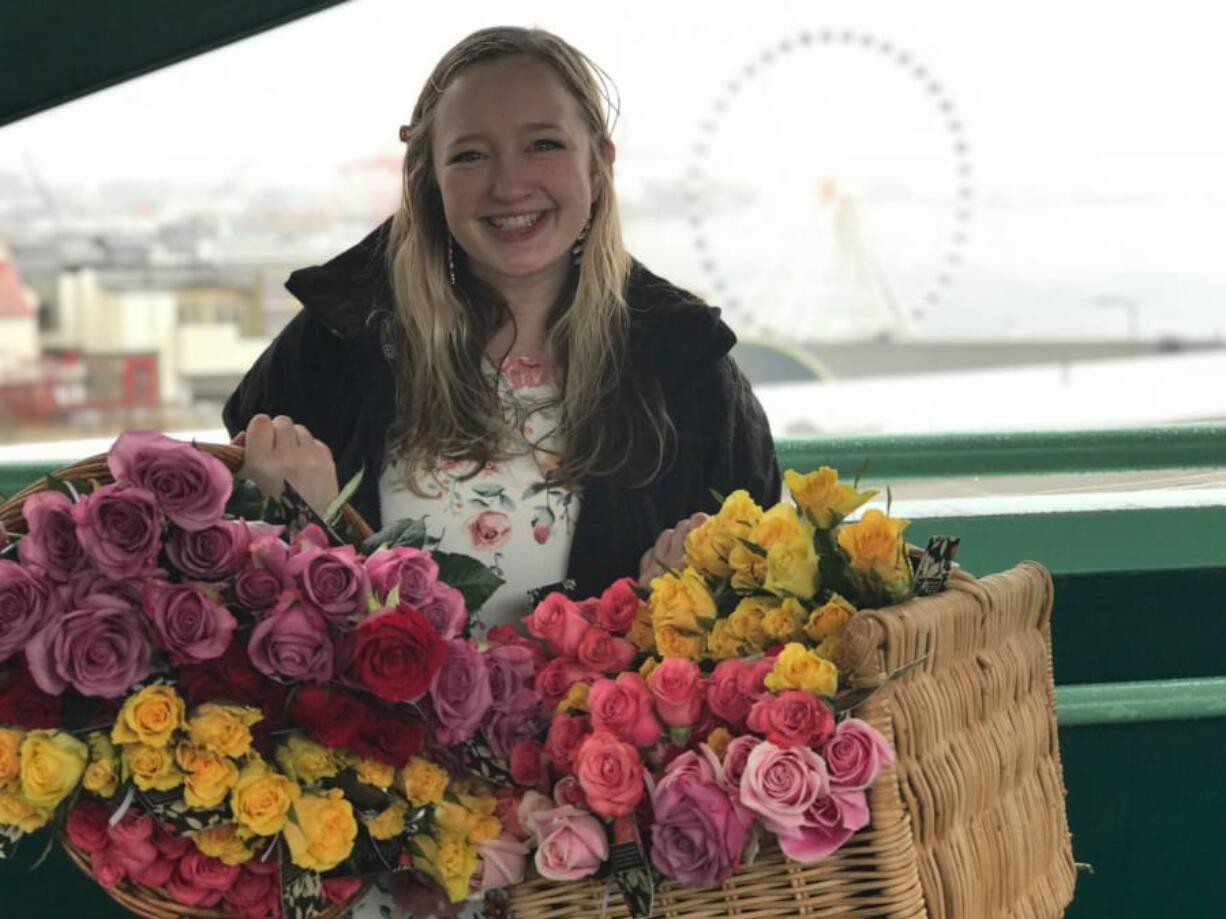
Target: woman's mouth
x: 515, y: 227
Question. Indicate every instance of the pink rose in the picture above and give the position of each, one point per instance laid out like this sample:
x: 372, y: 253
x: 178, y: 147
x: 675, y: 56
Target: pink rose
x: 155, y: 874
x: 444, y: 609
x: 27, y: 604
x: 829, y: 822
x: 120, y: 529
x: 107, y: 869
x: 533, y: 805
x: 855, y: 754
x: 414, y: 571
x: 610, y: 774
x: 618, y: 606
x: 210, y: 553
x: 190, y: 624
x: 132, y: 842
x: 265, y: 575
x: 677, y: 688
x: 292, y: 641
x: 512, y: 668
x: 555, y: 678
x: 566, y: 732
x: 792, y: 719
x: 51, y: 536
x: 696, y: 838
x: 734, y: 687
x: 701, y: 765
x: 506, y: 634
x: 523, y: 716
x: 572, y: 844
x: 735, y: 758
x: 191, y: 486
x: 601, y: 651
x: 780, y: 785
x: 528, y: 763
x: 88, y: 584
x: 199, y: 880
x: 526, y: 371
x: 624, y: 706
x: 86, y: 826
x: 171, y: 846
x: 558, y: 622
x: 460, y: 692
x: 489, y: 530
x: 502, y: 863
x: 341, y: 890
x: 568, y: 791
x: 100, y: 650
x: 333, y: 579
x: 254, y: 895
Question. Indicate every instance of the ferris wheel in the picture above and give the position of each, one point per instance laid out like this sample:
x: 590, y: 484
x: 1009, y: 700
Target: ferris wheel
x: 829, y: 190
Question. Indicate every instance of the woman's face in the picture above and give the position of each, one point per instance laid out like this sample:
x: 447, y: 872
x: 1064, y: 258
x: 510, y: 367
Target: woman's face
x: 513, y: 160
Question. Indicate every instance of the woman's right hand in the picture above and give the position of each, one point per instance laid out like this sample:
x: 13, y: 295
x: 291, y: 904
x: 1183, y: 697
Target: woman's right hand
x: 278, y: 450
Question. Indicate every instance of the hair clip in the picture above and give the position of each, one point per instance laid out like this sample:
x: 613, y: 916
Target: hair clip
x: 404, y: 133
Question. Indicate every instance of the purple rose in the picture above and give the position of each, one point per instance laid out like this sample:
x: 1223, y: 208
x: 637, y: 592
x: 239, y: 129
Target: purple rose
x: 292, y: 641
x: 191, y: 486
x: 414, y: 571
x: 697, y: 837
x: 332, y: 579
x: 51, y: 537
x: 212, y: 553
x: 735, y: 758
x: 512, y: 668
x: 523, y: 716
x: 460, y: 692
x: 120, y: 528
x: 829, y: 822
x: 190, y: 624
x: 262, y: 579
x: 87, y: 584
x: 445, y: 610
x: 27, y: 603
x: 99, y: 650
x: 855, y: 754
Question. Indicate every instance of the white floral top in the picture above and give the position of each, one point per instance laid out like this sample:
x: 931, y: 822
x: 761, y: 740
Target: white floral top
x: 505, y: 516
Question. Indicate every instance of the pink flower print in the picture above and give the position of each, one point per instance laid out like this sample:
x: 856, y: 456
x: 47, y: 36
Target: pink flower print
x: 522, y: 372
x: 489, y: 530
x: 540, y: 533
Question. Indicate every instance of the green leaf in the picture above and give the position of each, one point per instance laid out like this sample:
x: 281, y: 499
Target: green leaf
x: 855, y: 482
x: 469, y: 576
x: 333, y: 513
x: 410, y: 532
x: 752, y: 547
x: 719, y: 499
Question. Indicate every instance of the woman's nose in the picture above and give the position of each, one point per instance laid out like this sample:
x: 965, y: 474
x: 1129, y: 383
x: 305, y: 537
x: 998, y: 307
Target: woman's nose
x: 510, y: 180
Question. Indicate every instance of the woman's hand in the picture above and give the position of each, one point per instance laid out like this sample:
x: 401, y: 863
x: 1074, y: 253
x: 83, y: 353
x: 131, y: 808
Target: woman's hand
x: 279, y: 450
x: 669, y: 550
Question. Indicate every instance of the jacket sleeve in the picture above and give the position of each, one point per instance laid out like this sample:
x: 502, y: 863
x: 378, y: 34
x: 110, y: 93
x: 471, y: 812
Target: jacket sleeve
x: 740, y: 451
x: 305, y: 374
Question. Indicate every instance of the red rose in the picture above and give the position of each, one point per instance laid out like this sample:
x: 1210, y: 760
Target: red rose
x: 86, y: 826
x: 229, y: 678
x: 528, y: 763
x: 397, y: 654
x: 604, y: 652
x: 390, y: 739
x: 24, y: 705
x: 333, y: 717
x: 566, y: 732
x: 555, y: 678
x: 341, y: 890
x: 792, y: 719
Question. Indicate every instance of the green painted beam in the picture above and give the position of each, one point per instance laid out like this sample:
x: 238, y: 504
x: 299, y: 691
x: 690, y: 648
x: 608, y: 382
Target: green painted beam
x: 898, y: 456
x: 1155, y: 700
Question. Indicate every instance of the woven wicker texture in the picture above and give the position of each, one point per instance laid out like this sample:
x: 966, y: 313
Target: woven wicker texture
x: 969, y: 824
x: 146, y: 901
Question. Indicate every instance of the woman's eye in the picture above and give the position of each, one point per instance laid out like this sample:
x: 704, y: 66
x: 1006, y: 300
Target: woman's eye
x: 546, y: 143
x: 465, y: 156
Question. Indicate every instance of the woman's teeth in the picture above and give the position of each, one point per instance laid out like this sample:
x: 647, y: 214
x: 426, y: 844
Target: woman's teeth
x: 517, y: 222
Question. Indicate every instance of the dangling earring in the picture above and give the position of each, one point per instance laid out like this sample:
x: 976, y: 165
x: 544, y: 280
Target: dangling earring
x: 451, y: 259
x: 576, y: 251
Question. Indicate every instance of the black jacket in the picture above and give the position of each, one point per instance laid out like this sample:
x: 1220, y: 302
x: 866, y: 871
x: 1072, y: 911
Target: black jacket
x: 329, y: 371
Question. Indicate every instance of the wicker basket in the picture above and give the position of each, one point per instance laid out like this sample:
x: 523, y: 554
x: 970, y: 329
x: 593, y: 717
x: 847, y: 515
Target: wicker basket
x: 147, y: 901
x: 968, y: 824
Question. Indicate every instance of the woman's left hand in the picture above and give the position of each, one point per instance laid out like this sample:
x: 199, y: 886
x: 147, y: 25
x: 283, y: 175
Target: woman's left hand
x: 669, y: 550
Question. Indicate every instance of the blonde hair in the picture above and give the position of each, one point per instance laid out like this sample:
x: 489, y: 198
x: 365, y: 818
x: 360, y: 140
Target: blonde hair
x: 610, y: 422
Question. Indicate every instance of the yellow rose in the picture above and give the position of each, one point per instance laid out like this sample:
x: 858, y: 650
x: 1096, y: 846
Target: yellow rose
x: 449, y: 860
x: 149, y: 717
x: 875, y: 545
x: 374, y: 772
x: 262, y: 798
x: 649, y: 664
x: 791, y: 568
x: 722, y: 645
x: 322, y: 832
x: 223, y: 842
x: 735, y: 521
x: 453, y: 817
x: 151, y: 767
x: 306, y: 761
x: 672, y: 642
x: 718, y: 741
x: 208, y: 777
x: 780, y: 524
x: 680, y: 601
x: 17, y: 811
x: 799, y: 668
x: 484, y: 829
x: 52, y: 764
x: 785, y: 622
x: 748, y: 568
x: 224, y: 729
x: 102, y: 773
x: 424, y: 782
x: 822, y: 498
x: 745, y: 623
x: 703, y: 547
x: 830, y: 647
x: 10, y: 758
x: 829, y: 618
x: 388, y: 823
x: 641, y: 634
x: 575, y: 699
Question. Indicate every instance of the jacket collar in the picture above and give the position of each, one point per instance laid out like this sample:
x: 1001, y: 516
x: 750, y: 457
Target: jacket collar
x: 351, y: 292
